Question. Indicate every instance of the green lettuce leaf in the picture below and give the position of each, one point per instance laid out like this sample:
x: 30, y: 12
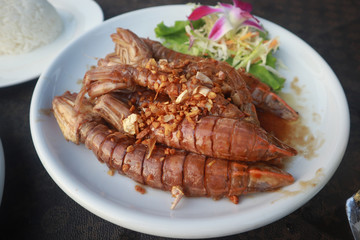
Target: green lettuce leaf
x: 267, y: 77
x: 178, y: 29
x: 175, y: 37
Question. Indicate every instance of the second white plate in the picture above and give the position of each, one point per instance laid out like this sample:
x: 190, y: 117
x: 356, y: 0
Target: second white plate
x: 77, y: 16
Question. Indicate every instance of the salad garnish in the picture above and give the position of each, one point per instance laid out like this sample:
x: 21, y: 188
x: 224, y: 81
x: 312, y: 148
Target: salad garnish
x: 226, y: 33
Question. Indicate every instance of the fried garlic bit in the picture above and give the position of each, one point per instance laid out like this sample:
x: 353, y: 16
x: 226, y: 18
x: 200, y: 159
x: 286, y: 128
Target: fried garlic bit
x: 129, y: 124
x: 177, y: 193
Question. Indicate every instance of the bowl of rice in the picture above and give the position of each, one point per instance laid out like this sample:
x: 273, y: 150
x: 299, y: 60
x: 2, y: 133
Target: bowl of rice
x: 26, y: 25
x: 34, y: 32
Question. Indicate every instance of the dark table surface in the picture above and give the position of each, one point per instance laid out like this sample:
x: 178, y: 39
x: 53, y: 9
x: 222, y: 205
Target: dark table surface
x: 34, y: 207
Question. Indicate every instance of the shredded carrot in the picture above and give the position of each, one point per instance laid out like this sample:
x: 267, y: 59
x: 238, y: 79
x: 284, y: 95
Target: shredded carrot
x: 273, y: 43
x: 230, y: 41
x: 249, y: 34
x: 255, y: 60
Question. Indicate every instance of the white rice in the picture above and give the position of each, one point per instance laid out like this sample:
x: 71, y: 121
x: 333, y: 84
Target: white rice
x: 26, y: 25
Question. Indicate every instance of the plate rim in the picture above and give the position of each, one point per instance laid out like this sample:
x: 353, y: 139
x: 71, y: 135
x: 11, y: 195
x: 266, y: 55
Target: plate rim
x: 42, y: 152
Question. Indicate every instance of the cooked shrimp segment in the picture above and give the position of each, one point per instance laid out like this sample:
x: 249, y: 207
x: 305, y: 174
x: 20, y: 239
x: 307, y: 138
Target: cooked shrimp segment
x: 180, y: 172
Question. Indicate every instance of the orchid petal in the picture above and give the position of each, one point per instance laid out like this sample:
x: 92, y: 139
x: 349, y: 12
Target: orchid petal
x: 219, y: 29
x: 257, y: 20
x: 243, y: 5
x: 246, y: 15
x: 203, y: 11
x: 226, y: 5
x: 236, y: 16
x: 253, y: 24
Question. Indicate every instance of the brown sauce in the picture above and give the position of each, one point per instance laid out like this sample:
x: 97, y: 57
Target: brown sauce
x: 293, y: 133
x: 295, y: 87
x: 46, y: 111
x: 279, y: 127
x: 304, y: 185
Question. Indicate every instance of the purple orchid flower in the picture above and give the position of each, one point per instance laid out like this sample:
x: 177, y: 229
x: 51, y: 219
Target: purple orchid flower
x: 233, y: 17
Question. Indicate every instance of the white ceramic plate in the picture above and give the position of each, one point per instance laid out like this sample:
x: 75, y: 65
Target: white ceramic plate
x: 77, y: 16
x: 2, y: 170
x: 323, y: 109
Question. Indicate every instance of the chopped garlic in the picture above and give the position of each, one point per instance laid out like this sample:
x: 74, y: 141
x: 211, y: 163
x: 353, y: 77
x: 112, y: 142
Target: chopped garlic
x: 168, y: 117
x: 129, y: 124
x: 183, y: 96
x: 204, y: 91
x: 209, y: 105
x: 203, y: 78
